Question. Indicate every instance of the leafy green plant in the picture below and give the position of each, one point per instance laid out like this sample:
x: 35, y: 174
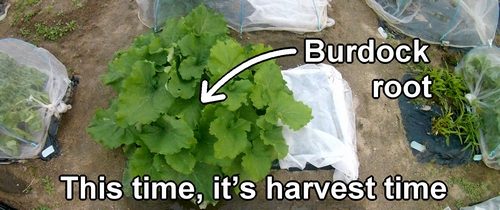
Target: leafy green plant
x: 25, y: 32
x: 53, y: 33
x: 25, y: 17
x: 473, y: 189
x: 28, y: 16
x: 18, y: 117
x: 48, y: 185
x: 168, y: 133
x: 483, y: 79
x: 449, y: 91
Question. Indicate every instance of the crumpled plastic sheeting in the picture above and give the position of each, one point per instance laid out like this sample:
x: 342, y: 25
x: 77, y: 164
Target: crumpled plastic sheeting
x: 330, y: 138
x: 491, y: 204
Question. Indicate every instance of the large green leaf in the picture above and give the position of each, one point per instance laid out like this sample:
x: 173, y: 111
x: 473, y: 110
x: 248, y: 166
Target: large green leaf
x: 120, y: 68
x: 140, y: 101
x: 104, y: 129
x: 232, y: 134
x: 268, y: 82
x: 173, y: 31
x: 273, y: 135
x: 143, y: 162
x: 257, y: 162
x: 182, y: 161
x: 190, y: 69
x: 168, y: 136
x: 187, y: 110
x: 190, y: 46
x: 202, y: 21
x: 292, y: 113
x: 179, y: 87
x: 224, y: 56
x: 204, y: 151
x: 237, y: 94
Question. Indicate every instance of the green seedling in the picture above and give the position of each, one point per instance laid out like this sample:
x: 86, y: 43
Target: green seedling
x: 449, y: 91
x: 48, y: 185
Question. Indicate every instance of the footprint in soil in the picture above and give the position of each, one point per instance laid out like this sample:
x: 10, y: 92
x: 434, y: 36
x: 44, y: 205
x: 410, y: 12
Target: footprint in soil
x: 9, y: 183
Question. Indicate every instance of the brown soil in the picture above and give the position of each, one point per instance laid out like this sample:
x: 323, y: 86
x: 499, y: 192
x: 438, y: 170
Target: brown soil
x: 107, y: 26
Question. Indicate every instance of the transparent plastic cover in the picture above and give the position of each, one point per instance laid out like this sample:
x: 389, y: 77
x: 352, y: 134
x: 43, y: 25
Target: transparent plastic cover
x: 32, y: 85
x: 245, y: 15
x: 330, y: 137
x: 480, y: 68
x: 458, y: 23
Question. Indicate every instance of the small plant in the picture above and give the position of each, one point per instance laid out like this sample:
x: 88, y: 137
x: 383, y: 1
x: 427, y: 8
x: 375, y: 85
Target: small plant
x: 47, y: 184
x: 25, y: 32
x: 49, y: 9
x: 449, y: 92
x: 28, y: 16
x: 42, y: 207
x: 53, y: 33
x: 474, y: 190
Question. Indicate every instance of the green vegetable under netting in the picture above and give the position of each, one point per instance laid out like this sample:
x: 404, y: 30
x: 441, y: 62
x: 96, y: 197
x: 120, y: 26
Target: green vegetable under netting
x: 482, y: 74
x: 168, y: 134
x: 18, y: 116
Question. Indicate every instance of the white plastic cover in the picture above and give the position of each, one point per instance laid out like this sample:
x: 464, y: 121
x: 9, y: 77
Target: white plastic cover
x: 330, y: 138
x: 245, y: 15
x: 480, y: 68
x: 23, y: 136
x: 280, y: 15
x: 491, y: 204
x: 458, y: 23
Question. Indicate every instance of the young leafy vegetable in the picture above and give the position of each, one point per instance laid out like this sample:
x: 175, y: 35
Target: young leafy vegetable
x: 18, y: 116
x: 449, y: 91
x: 168, y: 133
x: 482, y: 75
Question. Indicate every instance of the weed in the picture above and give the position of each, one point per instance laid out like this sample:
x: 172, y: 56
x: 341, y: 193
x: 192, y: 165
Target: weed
x: 72, y: 71
x: 448, y: 90
x: 25, y: 32
x: 459, y: 203
x: 474, y: 190
x: 17, y: 16
x: 42, y: 207
x: 423, y: 101
x: 60, y: 12
x: 34, y: 2
x: 28, y: 16
x: 47, y: 184
x: 79, y: 5
x: 53, y: 33
x: 49, y: 9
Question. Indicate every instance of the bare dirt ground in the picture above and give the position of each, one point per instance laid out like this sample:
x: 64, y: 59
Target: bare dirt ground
x: 107, y: 26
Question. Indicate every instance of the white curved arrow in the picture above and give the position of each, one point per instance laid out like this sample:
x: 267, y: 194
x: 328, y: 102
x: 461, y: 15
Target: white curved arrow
x: 207, y: 95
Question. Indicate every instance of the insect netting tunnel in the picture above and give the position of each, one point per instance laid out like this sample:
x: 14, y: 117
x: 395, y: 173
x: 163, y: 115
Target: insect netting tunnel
x: 457, y: 23
x: 245, y: 15
x: 32, y: 85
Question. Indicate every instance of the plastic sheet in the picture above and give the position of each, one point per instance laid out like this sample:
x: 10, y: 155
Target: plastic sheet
x: 480, y: 68
x: 457, y: 23
x: 491, y: 204
x: 33, y: 85
x: 245, y: 15
x: 330, y: 138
